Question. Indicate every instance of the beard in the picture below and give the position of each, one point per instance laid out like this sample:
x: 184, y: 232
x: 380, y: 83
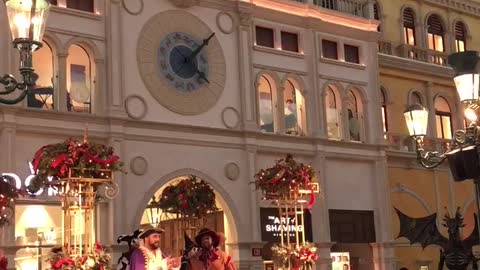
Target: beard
x: 153, y: 245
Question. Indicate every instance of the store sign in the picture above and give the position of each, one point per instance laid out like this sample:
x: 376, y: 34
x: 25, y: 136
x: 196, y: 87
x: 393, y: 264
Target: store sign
x: 19, y: 184
x: 340, y: 260
x: 272, y: 225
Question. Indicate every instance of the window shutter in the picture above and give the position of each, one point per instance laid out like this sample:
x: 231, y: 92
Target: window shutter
x: 435, y: 25
x: 264, y: 36
x: 408, y: 18
x: 460, y: 31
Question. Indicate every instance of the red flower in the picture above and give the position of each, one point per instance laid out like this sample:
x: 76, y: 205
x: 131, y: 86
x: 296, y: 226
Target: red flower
x: 62, y: 262
x: 184, y: 204
x: 180, y: 196
x: 98, y: 247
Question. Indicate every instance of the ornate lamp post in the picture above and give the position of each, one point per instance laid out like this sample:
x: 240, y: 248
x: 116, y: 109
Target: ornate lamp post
x: 464, y: 150
x: 27, y: 20
x: 153, y: 211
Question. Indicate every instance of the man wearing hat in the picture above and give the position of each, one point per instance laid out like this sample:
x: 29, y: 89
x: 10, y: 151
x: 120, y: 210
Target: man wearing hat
x: 209, y: 256
x: 148, y: 255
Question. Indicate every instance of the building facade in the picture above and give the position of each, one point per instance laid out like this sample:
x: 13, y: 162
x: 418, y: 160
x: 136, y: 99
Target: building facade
x: 416, y: 38
x: 277, y: 77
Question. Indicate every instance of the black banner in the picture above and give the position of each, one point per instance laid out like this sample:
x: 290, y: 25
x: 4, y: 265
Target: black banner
x: 272, y: 225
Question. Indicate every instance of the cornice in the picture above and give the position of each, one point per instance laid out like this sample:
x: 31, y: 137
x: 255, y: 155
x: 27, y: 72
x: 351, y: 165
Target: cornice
x: 417, y: 67
x: 463, y: 6
x: 66, y: 124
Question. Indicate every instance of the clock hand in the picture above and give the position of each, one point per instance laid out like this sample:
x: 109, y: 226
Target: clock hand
x: 197, y: 50
x: 202, y: 75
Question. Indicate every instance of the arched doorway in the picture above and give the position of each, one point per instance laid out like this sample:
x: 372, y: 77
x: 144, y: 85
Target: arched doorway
x: 172, y: 241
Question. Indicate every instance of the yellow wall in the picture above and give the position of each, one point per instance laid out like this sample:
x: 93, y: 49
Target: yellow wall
x: 392, y: 30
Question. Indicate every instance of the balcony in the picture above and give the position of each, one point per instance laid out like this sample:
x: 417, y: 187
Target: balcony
x: 413, y: 52
x: 359, y: 8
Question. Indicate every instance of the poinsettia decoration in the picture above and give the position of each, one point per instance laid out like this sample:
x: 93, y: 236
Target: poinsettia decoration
x: 56, y: 160
x: 291, y: 257
x: 3, y: 263
x: 99, y: 259
x: 8, y: 194
x: 285, y: 177
x: 190, y: 197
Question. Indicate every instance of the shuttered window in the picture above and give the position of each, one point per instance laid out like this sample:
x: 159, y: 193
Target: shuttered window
x: 84, y: 5
x: 460, y: 37
x: 329, y: 49
x: 435, y: 33
x: 264, y: 36
x: 289, y: 41
x: 409, y: 26
x: 351, y: 54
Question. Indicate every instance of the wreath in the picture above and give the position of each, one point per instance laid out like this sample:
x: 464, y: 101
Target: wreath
x: 286, y: 177
x: 87, y: 158
x: 8, y: 194
x: 99, y: 259
x: 302, y: 256
x: 190, y: 197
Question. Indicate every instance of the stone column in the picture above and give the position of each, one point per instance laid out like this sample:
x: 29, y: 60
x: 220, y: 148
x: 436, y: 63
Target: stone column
x: 324, y: 261
x: 99, y: 100
x: 61, y: 103
x: 279, y: 110
x: 117, y: 223
x: 432, y: 125
x: 247, y: 81
x: 384, y: 256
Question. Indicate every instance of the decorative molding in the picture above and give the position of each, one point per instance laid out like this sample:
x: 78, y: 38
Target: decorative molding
x: 343, y: 80
x: 231, y: 118
x: 280, y: 69
x: 278, y: 52
x: 462, y: 6
x: 418, y: 67
x: 133, y: 102
x: 139, y: 165
x: 342, y: 63
x: 184, y: 3
x: 221, y: 16
x: 402, y: 189
x: 232, y: 171
x: 75, y: 34
x: 140, y: 10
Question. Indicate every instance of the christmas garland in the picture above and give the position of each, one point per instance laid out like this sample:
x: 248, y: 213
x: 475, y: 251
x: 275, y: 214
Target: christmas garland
x: 8, y: 194
x: 302, y: 256
x: 191, y: 197
x: 87, y: 158
x: 99, y: 259
x: 3, y: 263
x: 285, y: 177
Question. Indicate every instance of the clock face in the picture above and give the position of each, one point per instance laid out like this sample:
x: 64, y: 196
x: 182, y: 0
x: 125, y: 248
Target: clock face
x: 183, y: 76
x: 175, y: 64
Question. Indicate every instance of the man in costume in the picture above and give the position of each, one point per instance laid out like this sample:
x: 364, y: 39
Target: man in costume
x: 209, y: 257
x: 148, y: 255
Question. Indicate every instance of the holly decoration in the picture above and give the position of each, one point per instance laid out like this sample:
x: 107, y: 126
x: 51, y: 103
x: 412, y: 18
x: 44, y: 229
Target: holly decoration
x: 98, y: 259
x: 285, y: 177
x: 191, y: 197
x: 55, y: 160
x: 8, y: 194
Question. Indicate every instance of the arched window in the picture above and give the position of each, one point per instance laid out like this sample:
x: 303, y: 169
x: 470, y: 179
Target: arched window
x: 333, y: 109
x: 443, y: 118
x: 409, y: 26
x: 80, y: 83
x: 415, y: 98
x: 266, y: 104
x: 354, y: 116
x: 460, y: 37
x: 435, y: 33
x: 294, y: 109
x: 383, y: 100
x: 376, y: 15
x: 41, y: 95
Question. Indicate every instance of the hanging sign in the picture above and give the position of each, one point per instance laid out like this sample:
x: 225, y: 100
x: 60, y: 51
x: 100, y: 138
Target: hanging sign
x: 272, y: 225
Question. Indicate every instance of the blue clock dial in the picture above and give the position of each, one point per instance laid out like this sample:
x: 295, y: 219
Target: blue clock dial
x: 182, y: 62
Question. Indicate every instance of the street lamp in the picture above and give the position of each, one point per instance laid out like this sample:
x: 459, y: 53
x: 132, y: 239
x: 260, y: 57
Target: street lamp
x: 27, y: 20
x: 153, y: 211
x: 463, y: 153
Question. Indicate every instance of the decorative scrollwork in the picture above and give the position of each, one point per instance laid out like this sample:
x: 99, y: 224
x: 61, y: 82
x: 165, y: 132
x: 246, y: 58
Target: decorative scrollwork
x: 460, y: 137
x: 140, y: 10
x: 111, y: 190
x: 10, y: 84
